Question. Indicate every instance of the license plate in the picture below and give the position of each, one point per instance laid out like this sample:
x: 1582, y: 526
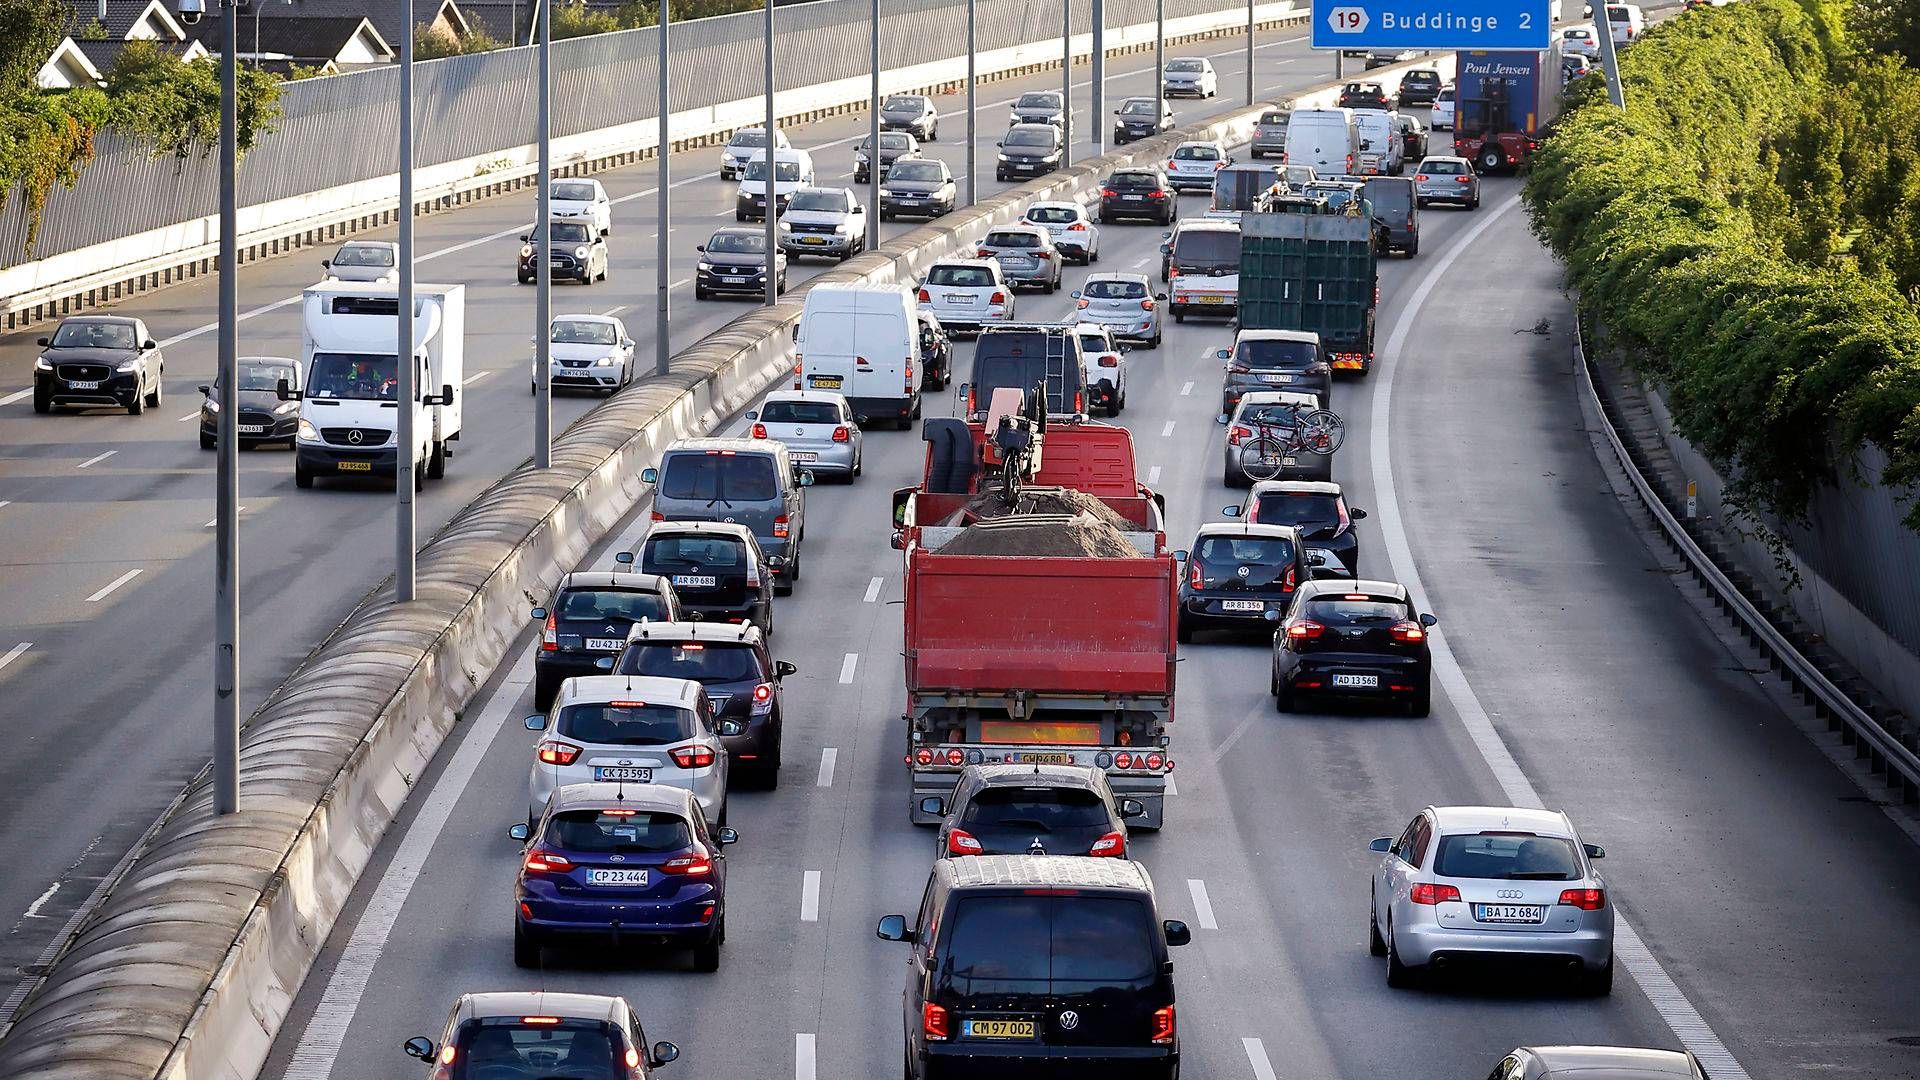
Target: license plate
x: 824, y: 382
x: 996, y: 1029
x: 78, y: 385
x: 813, y: 239
x: 606, y: 644
x: 1038, y: 757
x: 697, y: 581
x: 252, y: 429
x: 1509, y: 913
x: 1288, y: 462
x: 1213, y: 299
x: 802, y: 455
x: 617, y: 877
x: 735, y: 280
x: 356, y: 466
x: 957, y: 299
x: 1135, y: 198
x: 629, y: 773
x: 1363, y: 682
x: 1242, y: 605
x: 1276, y: 378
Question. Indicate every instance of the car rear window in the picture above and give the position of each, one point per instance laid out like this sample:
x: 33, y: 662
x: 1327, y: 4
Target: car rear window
x: 1444, y: 168
x: 489, y: 1048
x: 1133, y: 181
x: 961, y: 277
x: 1116, y: 290
x: 1273, y: 119
x: 1204, y: 249
x: 1420, y: 78
x: 1271, y: 355
x: 676, y: 554
x: 1504, y: 856
x: 1392, y: 196
x: 1196, y: 153
x: 1356, y: 609
x: 800, y: 412
x: 1013, y: 240
x: 1232, y: 551
x: 1041, y: 809
x: 717, y: 476
x: 1292, y: 508
x: 1053, y: 215
x: 625, y: 723
x: 592, y: 605
x: 618, y: 831
x: 1016, y: 942
x: 701, y: 661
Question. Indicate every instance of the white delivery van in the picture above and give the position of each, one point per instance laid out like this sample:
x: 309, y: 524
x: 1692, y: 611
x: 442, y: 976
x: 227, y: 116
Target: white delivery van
x: 863, y: 343
x: 1325, y: 139
x: 792, y: 170
x: 1627, y: 23
x: 349, y: 407
x: 1382, y: 151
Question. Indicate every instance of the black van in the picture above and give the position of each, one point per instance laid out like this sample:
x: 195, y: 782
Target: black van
x: 1396, y: 208
x: 1039, y: 965
x: 1024, y: 357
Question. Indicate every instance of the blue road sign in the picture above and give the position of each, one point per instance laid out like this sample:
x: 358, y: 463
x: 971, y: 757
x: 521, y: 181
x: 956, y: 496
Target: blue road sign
x: 1434, y: 25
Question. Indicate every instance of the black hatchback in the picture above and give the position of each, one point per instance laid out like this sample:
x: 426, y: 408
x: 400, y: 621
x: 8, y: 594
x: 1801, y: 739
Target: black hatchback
x: 716, y: 568
x: 741, y: 678
x: 1420, y: 86
x: 1039, y: 965
x: 1032, y: 810
x: 1353, y: 639
x: 1318, y: 508
x: 588, y: 619
x: 1138, y: 195
x: 1239, y: 577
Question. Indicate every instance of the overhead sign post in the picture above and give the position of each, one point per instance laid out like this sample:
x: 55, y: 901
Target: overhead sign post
x: 1435, y: 25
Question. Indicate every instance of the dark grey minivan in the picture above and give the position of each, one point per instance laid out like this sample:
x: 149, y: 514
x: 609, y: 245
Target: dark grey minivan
x: 749, y: 481
x: 1395, y: 207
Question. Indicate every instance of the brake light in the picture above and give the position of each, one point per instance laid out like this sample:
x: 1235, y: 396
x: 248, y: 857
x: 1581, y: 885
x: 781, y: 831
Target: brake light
x: 1236, y: 433
x: 546, y: 862
x: 753, y: 575
x: 1078, y: 226
x: 1431, y: 894
x: 983, y: 253
x: 1146, y: 305
x: 549, y: 637
x: 759, y: 431
x: 692, y: 757
x: 997, y: 298
x: 555, y: 752
x: 1349, y: 163
x: 933, y: 1022
x: 1289, y: 580
x: 1193, y: 575
x: 1340, y: 508
x: 1420, y: 176
x: 1170, y: 165
x: 762, y: 693
x: 970, y: 400
x: 923, y: 756
x: 1218, y: 165
x: 962, y: 842
x: 1079, y: 402
x: 658, y: 516
x: 780, y: 526
x: 697, y: 864
x: 1304, y: 630
x: 1113, y: 844
x: 1123, y: 760
x: 1163, y: 1026
x: 1154, y: 761
x: 1463, y: 179
x: 1043, y: 255
x: 1584, y: 899
x: 1110, y: 360
x: 1409, y: 632
x: 840, y: 433
x: 955, y: 757
x: 1156, y: 194
x: 1081, y: 304
x: 539, y: 1019
x: 1240, y: 369
x: 926, y: 297
x: 1109, y: 193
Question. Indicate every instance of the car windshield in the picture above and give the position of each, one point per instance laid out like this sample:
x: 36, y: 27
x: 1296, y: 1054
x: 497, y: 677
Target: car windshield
x: 1196, y: 153
x: 263, y: 376
x: 573, y: 191
x: 567, y: 232
x: 800, y: 412
x: 1295, y: 507
x: 617, y: 831
x: 1030, y: 944
x: 1337, y: 195
x: 748, y: 137
x: 1183, y: 65
x: 354, y: 376
x: 1443, y: 168
x: 1240, y: 189
x: 1356, y: 609
x: 1040, y: 809
x: 1038, y: 101
x: 903, y: 103
x: 599, y: 605
x: 1232, y: 551
x: 1507, y: 856
x: 1116, y: 290
x: 1207, y: 249
x: 1013, y: 240
x: 700, y: 661
x: 625, y: 723
x: 1053, y: 215
x: 1137, y: 107
x: 788, y: 172
x: 583, y: 332
x: 366, y: 254
x: 1269, y: 355
x: 915, y: 170
x: 961, y: 277
x: 493, y: 1047
x: 738, y: 243
x: 1030, y: 137
x: 819, y: 200
x: 93, y: 335
x: 680, y: 554
x: 1421, y: 78
x: 1619, y: 14
x: 1133, y: 181
x: 717, y: 477
x: 1446, y: 94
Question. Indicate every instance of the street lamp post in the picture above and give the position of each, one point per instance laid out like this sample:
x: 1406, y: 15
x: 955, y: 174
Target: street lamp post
x: 873, y: 133
x: 773, y: 228
x: 1609, y: 57
x: 1250, y: 81
x: 543, y: 250
x: 662, y: 342
x: 1066, y: 82
x: 1160, y: 49
x: 405, y: 468
x: 973, y: 115
x: 226, y: 588
x: 1098, y: 112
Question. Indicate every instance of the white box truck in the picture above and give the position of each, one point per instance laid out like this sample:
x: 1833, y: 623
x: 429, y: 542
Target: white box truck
x: 863, y: 343
x: 349, y: 418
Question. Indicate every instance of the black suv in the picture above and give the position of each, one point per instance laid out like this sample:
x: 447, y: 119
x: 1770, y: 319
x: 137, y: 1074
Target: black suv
x: 1032, y: 810
x: 1418, y: 87
x: 1140, y: 194
x: 742, y: 680
x: 1362, y: 95
x: 1240, y: 576
x: 1022, y: 356
x: 1031, y: 964
x: 588, y: 619
x: 716, y: 568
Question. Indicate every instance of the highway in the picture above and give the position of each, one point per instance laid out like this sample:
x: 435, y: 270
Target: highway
x: 105, y: 632
x: 1768, y: 900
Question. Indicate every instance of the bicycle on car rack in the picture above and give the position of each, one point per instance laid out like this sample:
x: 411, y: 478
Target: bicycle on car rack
x: 1277, y: 445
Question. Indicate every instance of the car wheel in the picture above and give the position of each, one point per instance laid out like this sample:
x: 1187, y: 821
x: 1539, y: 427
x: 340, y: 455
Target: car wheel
x: 706, y: 957
x: 1422, y: 703
x: 526, y: 947
x: 780, y: 287
x: 206, y: 441
x: 700, y: 293
x: 1154, y: 342
x: 1399, y: 976
x: 138, y: 403
x: 739, y: 215
x: 1231, y: 478
x: 1598, y: 983
x: 1474, y: 203
x: 437, y: 460
x: 42, y: 400
x: 1179, y: 316
x: 159, y: 393
x: 1376, y: 945
x: 858, y: 462
x: 1284, y: 699
x: 420, y: 476
x: 302, y: 479
x: 525, y: 280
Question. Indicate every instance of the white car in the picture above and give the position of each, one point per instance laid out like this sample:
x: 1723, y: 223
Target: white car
x: 1580, y: 39
x: 1441, y: 118
x: 1073, y: 232
x: 1193, y: 165
x: 740, y: 148
x: 1192, y: 76
x: 818, y: 427
x: 588, y: 352
x: 631, y: 729
x: 583, y: 200
x: 966, y: 295
x: 1106, y: 367
x: 364, y: 260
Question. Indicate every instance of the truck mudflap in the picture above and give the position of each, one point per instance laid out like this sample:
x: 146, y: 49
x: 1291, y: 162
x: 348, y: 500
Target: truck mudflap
x: 1133, y: 772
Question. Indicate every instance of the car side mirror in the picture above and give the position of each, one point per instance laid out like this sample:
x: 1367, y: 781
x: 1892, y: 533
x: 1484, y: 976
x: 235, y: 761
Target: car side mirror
x: 419, y: 1047
x: 934, y: 806
x: 1166, y: 249
x: 1272, y: 615
x: 518, y: 831
x: 446, y: 395
x: 893, y: 928
x: 1595, y: 851
x: 148, y: 344
x: 898, y: 541
x: 806, y: 478
x: 1222, y: 419
x: 1316, y: 558
x: 44, y: 342
x: 536, y: 722
x: 1075, y: 294
x: 539, y: 614
x: 999, y: 144
x: 731, y: 727
x: 526, y: 238
x: 326, y: 264
x: 752, y: 414
x: 1177, y: 933
x: 1230, y: 511
x: 1381, y: 844
x: 649, y: 476
x: 605, y: 663
x: 1181, y: 555
x: 726, y: 835
x: 285, y: 391
x: 626, y: 343
x: 1132, y: 808
x: 701, y: 248
x: 776, y: 562
x: 205, y: 390
x: 1356, y: 513
x: 782, y: 669
x: 664, y: 1053
x: 624, y: 558
x: 1159, y: 296
x: 1428, y: 620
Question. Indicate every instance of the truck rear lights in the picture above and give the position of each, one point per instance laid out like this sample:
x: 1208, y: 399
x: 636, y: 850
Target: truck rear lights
x: 1427, y: 893
x: 1154, y: 760
x: 692, y: 757
x: 1123, y: 760
x: 1410, y: 633
x: 1110, y: 360
x: 549, y: 637
x: 923, y: 756
x: 780, y: 527
x: 841, y: 434
x: 554, y: 752
x: 759, y: 431
x: 1113, y: 844
x: 933, y: 1022
x: 955, y: 757
x: 546, y: 862
x: 962, y: 842
x: 1163, y: 1026
x: 1584, y: 899
x: 697, y: 864
x: 1304, y: 630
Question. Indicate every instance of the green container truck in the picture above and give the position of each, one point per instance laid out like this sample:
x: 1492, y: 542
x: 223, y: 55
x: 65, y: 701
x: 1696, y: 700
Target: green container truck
x: 1312, y: 272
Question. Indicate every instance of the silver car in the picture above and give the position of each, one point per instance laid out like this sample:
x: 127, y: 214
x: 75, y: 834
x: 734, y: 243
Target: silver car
x: 1038, y: 107
x: 818, y: 427
x: 741, y: 146
x: 1448, y: 180
x: 631, y: 729
x: 364, y: 260
x: 1125, y: 304
x: 1269, y: 134
x: 911, y: 112
x: 1026, y: 254
x: 1476, y: 881
x: 1194, y: 165
x: 1612, y: 1062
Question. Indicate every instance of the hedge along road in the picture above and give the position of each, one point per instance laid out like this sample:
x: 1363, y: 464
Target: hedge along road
x: 110, y: 697
x: 1724, y: 827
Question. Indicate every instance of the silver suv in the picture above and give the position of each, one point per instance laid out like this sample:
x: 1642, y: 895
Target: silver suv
x: 1026, y: 254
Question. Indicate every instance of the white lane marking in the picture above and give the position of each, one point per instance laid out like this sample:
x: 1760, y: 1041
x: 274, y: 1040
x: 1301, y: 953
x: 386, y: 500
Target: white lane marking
x: 847, y: 666
x: 1171, y: 789
x: 6, y: 502
x: 33, y: 909
x: 327, y: 1029
x: 96, y: 459
x: 828, y: 758
x: 10, y: 655
x: 810, y: 896
x: 611, y: 312
x: 194, y: 415
x: 803, y: 1062
x: 17, y: 395
x: 1166, y: 432
x: 1153, y: 476
x: 873, y: 587
x: 1257, y: 1055
x: 208, y: 328
x: 1186, y: 388
x: 1662, y: 992
x: 1138, y: 263
x: 475, y: 377
x: 1202, y: 906
x: 681, y: 284
x: 114, y: 584
x: 216, y: 521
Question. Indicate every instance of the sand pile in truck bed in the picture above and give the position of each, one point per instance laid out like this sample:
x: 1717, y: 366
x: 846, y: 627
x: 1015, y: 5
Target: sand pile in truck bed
x: 1041, y: 500
x: 1050, y: 522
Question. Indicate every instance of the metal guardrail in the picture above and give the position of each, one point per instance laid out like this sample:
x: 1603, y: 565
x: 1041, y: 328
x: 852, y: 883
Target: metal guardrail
x: 1888, y: 755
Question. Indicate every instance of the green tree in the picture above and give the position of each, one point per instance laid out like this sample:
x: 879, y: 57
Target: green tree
x: 1890, y: 26
x: 29, y: 32
x: 571, y: 20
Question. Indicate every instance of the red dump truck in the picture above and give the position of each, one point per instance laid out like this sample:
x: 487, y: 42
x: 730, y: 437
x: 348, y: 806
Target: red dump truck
x: 1045, y: 659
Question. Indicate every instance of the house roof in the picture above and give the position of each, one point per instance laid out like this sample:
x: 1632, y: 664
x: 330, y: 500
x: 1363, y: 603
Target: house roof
x: 103, y: 54
x: 123, y: 17
x: 67, y: 67
x: 302, y: 39
x: 385, y: 17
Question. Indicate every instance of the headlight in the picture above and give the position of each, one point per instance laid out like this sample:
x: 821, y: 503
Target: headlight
x: 128, y: 366
x: 285, y: 407
x: 605, y: 361
x: 213, y: 406
x: 840, y: 227
x: 526, y: 251
x: 580, y: 252
x: 306, y: 431
x: 886, y: 193
x: 1004, y: 157
x: 706, y: 267
x: 786, y: 226
x: 41, y: 363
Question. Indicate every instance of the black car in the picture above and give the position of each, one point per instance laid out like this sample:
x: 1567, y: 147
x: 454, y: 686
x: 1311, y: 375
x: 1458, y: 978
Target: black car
x: 1353, y: 639
x: 1140, y: 118
x: 913, y: 113
x: 1419, y: 87
x: 1026, y: 965
x: 1394, y: 206
x: 1028, y: 150
x: 1319, y: 510
x: 579, y: 253
x: 894, y: 146
x: 936, y: 353
x: 98, y: 360
x: 1022, y: 357
x: 1363, y: 95
x: 1032, y: 810
x: 1240, y: 577
x: 262, y: 417
x: 734, y: 261
x: 588, y: 619
x: 1139, y: 195
x: 717, y: 570
x: 741, y: 678
x: 918, y: 187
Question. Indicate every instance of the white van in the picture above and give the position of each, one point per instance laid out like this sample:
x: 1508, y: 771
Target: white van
x: 1325, y: 139
x: 1627, y: 23
x: 348, y: 422
x: 1382, y: 152
x: 793, y: 170
x: 863, y: 343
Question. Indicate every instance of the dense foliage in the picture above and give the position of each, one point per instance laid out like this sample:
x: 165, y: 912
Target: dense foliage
x: 1746, y: 225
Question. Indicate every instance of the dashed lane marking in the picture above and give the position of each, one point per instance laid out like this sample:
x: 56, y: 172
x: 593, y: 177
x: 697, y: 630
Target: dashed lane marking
x: 114, y: 584
x: 829, y: 756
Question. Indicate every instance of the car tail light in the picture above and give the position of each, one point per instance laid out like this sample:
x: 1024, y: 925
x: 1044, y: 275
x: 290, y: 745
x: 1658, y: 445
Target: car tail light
x: 1082, y: 304
x: 753, y: 576
x: 546, y: 862
x: 698, y: 864
x: 1409, y: 632
x: 1420, y: 176
x: 762, y: 693
x: 1163, y: 1026
x: 550, y: 636
x: 658, y: 516
x: 692, y: 757
x: 1305, y: 630
x: 962, y: 842
x: 1349, y: 164
x: 1345, y: 522
x: 926, y: 297
x: 555, y: 752
x: 1112, y: 844
x: 971, y: 406
x: 1193, y: 575
x: 841, y: 434
x: 1584, y: 899
x: 933, y: 1022
x: 1043, y: 256
x: 1289, y: 579
x: 780, y: 526
x: 1156, y: 194
x: 1079, y: 402
x: 1146, y: 305
x: 1463, y: 179
x: 1430, y: 894
x: 1218, y: 165
x: 997, y: 298
x: 983, y: 253
x: 1110, y: 360
x: 1078, y: 226
x: 1236, y: 433
x: 759, y: 431
x: 1109, y: 193
x: 1172, y: 165
x: 1240, y: 369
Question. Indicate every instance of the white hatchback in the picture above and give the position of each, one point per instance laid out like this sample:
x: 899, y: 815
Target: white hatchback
x: 583, y: 200
x: 1193, y: 165
x: 631, y: 729
x: 966, y: 294
x: 1073, y: 232
x: 1106, y: 366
